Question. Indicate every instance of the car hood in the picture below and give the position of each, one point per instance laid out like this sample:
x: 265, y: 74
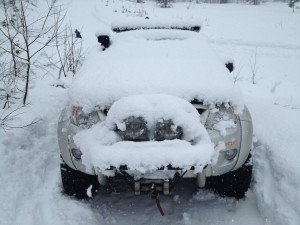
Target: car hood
x: 178, y: 63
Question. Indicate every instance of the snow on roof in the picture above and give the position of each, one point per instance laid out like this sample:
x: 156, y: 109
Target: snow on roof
x: 173, y: 62
x: 141, y: 23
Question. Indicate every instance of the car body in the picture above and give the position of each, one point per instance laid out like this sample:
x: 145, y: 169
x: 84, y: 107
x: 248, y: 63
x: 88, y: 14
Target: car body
x: 128, y: 64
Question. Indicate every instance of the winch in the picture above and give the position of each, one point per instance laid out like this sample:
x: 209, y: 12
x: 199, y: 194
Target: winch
x: 146, y: 185
x: 153, y: 188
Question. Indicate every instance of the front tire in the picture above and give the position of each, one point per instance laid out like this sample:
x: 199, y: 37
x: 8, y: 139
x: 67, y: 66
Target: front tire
x: 76, y: 183
x: 233, y: 184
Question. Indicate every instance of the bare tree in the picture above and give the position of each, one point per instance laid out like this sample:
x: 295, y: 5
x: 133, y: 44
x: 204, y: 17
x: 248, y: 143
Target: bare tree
x: 292, y: 4
x: 28, y: 36
x: 70, y: 52
x: 165, y: 3
x: 9, y: 116
x: 69, y: 55
x: 253, y: 67
x: 25, y: 33
x: 237, y: 74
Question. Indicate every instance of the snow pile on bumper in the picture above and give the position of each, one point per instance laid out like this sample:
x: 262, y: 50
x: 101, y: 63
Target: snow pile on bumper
x: 102, y: 147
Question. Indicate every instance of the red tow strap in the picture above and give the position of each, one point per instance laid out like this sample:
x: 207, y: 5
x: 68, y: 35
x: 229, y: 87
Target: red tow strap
x: 159, y: 206
x: 155, y: 196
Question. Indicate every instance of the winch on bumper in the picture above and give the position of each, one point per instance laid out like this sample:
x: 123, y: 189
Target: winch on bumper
x: 237, y: 141
x: 164, y: 179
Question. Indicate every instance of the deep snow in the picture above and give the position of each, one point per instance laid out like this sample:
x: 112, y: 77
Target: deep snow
x: 29, y: 163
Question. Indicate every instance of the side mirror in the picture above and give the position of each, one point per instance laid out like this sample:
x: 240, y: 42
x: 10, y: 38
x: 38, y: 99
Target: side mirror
x: 230, y: 66
x: 104, y: 40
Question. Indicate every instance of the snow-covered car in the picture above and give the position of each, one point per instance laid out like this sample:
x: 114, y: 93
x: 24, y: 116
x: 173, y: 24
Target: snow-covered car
x: 151, y: 105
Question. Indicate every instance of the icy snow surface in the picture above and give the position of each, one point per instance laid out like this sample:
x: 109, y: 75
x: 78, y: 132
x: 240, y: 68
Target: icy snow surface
x: 138, y: 63
x: 101, y: 149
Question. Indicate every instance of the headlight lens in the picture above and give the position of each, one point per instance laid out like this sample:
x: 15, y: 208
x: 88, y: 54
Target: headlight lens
x: 223, y: 113
x: 135, y: 129
x: 76, y: 153
x: 166, y: 130
x: 231, y: 153
x: 82, y: 119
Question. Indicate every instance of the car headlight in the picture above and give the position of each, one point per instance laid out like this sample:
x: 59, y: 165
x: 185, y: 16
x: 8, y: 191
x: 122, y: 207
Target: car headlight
x: 231, y: 153
x: 166, y: 130
x: 82, y: 119
x: 223, y: 113
x: 76, y: 153
x: 135, y: 129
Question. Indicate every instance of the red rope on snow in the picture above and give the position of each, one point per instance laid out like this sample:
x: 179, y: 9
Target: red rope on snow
x: 159, y: 206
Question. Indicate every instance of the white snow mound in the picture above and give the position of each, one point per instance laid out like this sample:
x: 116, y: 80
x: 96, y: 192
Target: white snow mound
x: 172, y: 62
x: 154, y: 108
x: 102, y: 147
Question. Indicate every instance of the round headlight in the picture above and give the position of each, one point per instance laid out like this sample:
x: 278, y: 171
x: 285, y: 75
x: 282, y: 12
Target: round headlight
x: 136, y: 129
x: 231, y: 153
x: 76, y: 153
x: 223, y: 113
x: 166, y: 130
x: 82, y: 119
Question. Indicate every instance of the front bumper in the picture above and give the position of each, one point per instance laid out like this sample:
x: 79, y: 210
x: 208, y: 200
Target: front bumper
x: 239, y: 138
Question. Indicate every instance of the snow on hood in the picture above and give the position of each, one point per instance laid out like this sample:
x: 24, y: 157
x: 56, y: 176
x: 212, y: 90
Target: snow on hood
x: 102, y: 147
x: 173, y: 62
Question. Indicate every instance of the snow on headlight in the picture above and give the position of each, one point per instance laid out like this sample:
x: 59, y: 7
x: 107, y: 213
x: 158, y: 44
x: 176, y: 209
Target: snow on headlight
x: 82, y: 119
x: 221, y: 119
x: 103, y: 147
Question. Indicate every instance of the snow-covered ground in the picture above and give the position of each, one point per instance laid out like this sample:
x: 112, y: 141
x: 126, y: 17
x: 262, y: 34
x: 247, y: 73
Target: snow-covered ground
x: 264, y: 38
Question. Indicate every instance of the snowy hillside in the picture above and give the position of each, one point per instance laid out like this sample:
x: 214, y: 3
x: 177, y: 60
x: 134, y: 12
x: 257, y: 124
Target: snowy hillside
x: 263, y: 41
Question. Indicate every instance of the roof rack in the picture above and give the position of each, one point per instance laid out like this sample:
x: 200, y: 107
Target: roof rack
x: 147, y: 24
x: 123, y: 29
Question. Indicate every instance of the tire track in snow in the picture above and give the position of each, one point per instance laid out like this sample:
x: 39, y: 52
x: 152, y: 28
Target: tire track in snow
x: 254, y: 44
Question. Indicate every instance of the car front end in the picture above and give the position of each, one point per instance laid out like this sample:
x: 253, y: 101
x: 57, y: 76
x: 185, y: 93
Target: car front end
x: 234, y: 150
x: 153, y: 104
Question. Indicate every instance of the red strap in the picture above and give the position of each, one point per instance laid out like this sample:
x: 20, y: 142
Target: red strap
x: 159, y: 206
